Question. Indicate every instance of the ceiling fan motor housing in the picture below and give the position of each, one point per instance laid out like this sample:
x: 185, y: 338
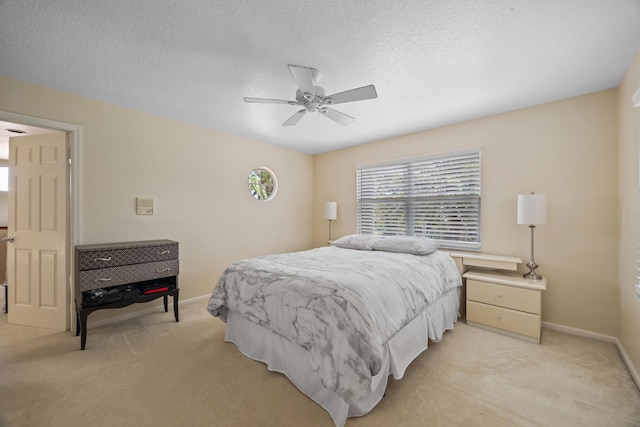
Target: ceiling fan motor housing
x: 311, y: 102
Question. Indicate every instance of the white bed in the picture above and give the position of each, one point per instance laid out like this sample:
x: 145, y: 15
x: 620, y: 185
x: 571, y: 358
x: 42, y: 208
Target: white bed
x: 336, y: 321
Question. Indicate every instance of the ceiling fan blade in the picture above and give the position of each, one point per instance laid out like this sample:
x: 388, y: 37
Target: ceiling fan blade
x: 359, y: 94
x: 336, y: 116
x: 269, y: 101
x: 293, y: 120
x: 304, y: 79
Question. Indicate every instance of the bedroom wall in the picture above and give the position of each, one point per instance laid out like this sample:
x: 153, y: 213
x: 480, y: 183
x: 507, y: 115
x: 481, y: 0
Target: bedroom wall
x: 566, y: 150
x: 197, y: 177
x: 628, y: 232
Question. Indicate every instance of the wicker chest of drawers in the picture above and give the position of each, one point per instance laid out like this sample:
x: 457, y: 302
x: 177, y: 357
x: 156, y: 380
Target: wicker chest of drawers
x: 113, y: 275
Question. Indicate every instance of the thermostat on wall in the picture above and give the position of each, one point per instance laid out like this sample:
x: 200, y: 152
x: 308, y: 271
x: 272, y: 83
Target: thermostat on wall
x: 144, y: 205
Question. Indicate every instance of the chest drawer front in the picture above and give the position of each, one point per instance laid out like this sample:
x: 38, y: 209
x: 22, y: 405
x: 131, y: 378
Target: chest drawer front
x: 504, y: 296
x: 509, y: 320
x: 114, y: 257
x: 121, y: 275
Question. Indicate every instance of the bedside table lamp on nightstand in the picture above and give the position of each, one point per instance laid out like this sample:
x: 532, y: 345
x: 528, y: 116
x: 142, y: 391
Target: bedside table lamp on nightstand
x: 330, y: 213
x: 532, y: 210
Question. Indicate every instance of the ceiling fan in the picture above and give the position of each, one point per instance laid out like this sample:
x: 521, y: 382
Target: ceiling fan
x: 314, y: 98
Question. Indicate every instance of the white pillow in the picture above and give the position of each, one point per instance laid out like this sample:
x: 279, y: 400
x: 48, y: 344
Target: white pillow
x: 363, y: 242
x: 406, y: 244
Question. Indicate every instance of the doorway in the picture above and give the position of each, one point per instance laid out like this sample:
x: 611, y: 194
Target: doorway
x: 67, y: 241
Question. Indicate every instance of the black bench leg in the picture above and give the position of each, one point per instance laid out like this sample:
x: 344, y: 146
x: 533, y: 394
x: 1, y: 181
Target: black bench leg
x: 175, y: 306
x: 83, y: 328
x: 166, y: 303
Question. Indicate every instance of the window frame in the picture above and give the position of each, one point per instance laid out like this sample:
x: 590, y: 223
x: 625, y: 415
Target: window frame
x: 415, y: 207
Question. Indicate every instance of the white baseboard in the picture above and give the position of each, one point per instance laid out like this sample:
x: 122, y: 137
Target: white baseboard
x: 600, y: 337
x: 579, y: 332
x: 138, y: 313
x: 628, y: 363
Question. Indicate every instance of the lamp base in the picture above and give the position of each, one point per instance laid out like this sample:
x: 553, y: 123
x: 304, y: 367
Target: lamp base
x: 532, y: 275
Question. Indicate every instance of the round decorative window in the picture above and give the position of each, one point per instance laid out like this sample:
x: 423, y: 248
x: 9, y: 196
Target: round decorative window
x: 262, y: 183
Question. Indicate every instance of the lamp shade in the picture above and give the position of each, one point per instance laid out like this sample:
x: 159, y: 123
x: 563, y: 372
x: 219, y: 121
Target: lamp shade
x: 331, y: 210
x: 532, y: 209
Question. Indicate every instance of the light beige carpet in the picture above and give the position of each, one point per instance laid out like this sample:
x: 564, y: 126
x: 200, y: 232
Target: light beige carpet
x: 152, y: 371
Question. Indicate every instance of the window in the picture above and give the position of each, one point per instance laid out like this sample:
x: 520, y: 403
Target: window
x: 435, y: 196
x: 4, y: 178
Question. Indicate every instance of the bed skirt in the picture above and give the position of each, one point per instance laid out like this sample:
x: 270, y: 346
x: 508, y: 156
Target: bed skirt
x: 288, y: 358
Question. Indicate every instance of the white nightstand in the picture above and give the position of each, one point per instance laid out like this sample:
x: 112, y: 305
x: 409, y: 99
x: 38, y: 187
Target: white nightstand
x: 505, y: 302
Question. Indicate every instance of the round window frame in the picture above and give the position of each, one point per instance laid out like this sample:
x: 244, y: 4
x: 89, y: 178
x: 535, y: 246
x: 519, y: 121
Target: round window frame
x: 252, y: 186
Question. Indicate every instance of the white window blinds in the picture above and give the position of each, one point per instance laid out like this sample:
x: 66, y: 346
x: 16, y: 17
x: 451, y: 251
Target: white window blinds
x: 436, y: 196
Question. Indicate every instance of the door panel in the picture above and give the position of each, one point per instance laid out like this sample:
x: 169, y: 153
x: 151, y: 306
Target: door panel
x: 22, y: 276
x: 48, y: 288
x: 48, y: 202
x: 22, y: 211
x: 38, y: 209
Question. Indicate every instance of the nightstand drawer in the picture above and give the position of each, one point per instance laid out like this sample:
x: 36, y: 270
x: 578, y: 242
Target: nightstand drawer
x: 503, y: 318
x: 504, y: 296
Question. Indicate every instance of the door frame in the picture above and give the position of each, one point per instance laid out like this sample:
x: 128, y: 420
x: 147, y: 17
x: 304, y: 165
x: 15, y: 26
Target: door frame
x: 74, y: 208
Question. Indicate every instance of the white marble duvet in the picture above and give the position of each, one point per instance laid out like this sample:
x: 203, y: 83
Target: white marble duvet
x: 341, y: 305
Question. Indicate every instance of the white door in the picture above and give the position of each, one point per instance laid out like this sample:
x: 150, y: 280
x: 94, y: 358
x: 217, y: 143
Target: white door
x: 37, y: 230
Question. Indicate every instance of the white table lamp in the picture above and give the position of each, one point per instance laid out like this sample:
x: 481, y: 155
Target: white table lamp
x: 532, y: 210
x: 330, y: 213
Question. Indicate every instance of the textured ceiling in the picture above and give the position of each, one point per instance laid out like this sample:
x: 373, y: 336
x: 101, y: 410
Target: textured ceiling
x: 433, y: 62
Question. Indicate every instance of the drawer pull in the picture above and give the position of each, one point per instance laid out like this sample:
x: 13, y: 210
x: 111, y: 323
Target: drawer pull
x: 162, y: 270
x: 102, y: 259
x: 164, y: 252
x: 102, y: 279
